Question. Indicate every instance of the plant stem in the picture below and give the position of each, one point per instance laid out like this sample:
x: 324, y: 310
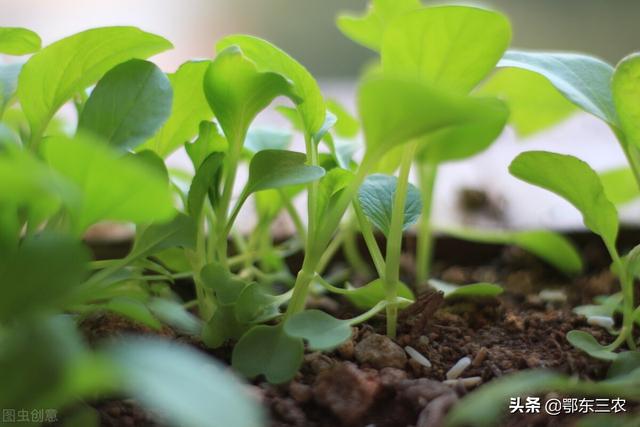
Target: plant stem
x: 626, y: 283
x: 295, y: 217
x: 394, y: 240
x: 369, y: 239
x: 427, y: 179
x: 369, y: 313
x: 351, y: 251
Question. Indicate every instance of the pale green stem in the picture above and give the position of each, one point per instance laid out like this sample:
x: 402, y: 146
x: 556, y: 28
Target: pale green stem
x: 427, y: 178
x: 369, y: 239
x: 394, y: 240
x: 295, y: 217
x: 369, y: 313
x: 351, y: 250
x: 626, y: 283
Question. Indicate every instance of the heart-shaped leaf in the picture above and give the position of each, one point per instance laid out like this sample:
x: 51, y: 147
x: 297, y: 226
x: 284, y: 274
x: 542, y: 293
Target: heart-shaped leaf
x: 237, y: 91
x: 269, y: 58
x: 322, y: 331
x: 534, y: 103
x: 109, y: 187
x: 53, y: 75
x: 474, y: 290
x: 376, y: 196
x: 583, y: 80
x: 552, y: 247
x: 451, y: 46
x: 269, y: 351
x: 189, y: 108
x: 209, y: 140
x: 368, y: 29
x: 128, y: 105
x: 586, y: 342
x: 626, y: 96
x: 18, y: 41
x: 222, y: 326
x: 575, y: 181
x: 188, y: 387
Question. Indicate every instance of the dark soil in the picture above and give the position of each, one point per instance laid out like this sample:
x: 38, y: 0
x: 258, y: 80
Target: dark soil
x: 370, y: 380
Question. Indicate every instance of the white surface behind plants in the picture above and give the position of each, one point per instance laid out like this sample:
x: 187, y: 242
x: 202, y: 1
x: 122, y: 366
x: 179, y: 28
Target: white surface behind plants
x: 524, y: 206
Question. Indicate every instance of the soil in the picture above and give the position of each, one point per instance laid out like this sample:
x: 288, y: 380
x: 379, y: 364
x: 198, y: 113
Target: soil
x: 371, y: 381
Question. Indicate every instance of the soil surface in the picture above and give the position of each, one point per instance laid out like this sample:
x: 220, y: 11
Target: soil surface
x: 373, y: 381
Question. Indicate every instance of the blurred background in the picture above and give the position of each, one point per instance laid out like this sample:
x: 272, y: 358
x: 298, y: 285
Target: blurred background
x: 306, y: 29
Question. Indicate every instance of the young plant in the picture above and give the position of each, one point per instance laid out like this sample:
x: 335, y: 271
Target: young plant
x: 460, y: 47
x: 577, y: 183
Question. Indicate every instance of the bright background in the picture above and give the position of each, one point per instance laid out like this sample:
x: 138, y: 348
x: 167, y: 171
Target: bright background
x: 305, y: 29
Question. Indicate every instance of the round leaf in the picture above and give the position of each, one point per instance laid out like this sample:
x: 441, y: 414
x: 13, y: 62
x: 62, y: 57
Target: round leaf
x: 18, y: 41
x: 53, y: 75
x: 128, y: 105
x: 267, y: 350
x: 376, y: 196
x: 322, y: 331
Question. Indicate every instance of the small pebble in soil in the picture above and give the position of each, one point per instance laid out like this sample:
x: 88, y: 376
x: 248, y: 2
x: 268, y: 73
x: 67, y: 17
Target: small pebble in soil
x: 346, y: 391
x: 553, y: 295
x: 481, y: 355
x: 458, y: 368
x: 380, y: 352
x: 417, y: 356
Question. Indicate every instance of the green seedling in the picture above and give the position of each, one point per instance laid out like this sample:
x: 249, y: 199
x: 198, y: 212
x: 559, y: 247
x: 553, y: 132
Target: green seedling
x: 460, y: 47
x: 577, y: 183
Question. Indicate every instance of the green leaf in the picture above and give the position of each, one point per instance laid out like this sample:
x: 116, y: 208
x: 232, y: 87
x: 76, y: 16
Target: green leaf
x: 226, y: 287
x: 474, y: 290
x: 8, y: 84
x: 330, y: 187
x: 18, y: 41
x: 551, y: 247
x: 534, y: 103
x: 484, y: 407
x: 575, y: 181
x: 322, y: 331
x: 451, y: 46
x: 346, y: 126
x: 173, y: 313
x: 40, y: 274
x: 586, y: 342
x: 128, y: 105
x: 259, y: 139
x: 583, y: 80
x: 620, y: 185
x: 255, y: 305
x: 394, y: 111
x: 53, y: 75
x: 269, y: 58
x: 466, y: 139
x: 269, y: 351
x: 134, y: 310
x: 368, y: 29
x: 222, y: 326
x: 367, y: 296
x: 179, y: 232
x: 376, y: 196
x: 209, y: 140
x: 625, y: 87
x: 189, y: 108
x: 625, y: 364
x: 205, y: 182
x: 280, y: 168
x: 109, y: 187
x: 189, y: 388
x: 237, y: 91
